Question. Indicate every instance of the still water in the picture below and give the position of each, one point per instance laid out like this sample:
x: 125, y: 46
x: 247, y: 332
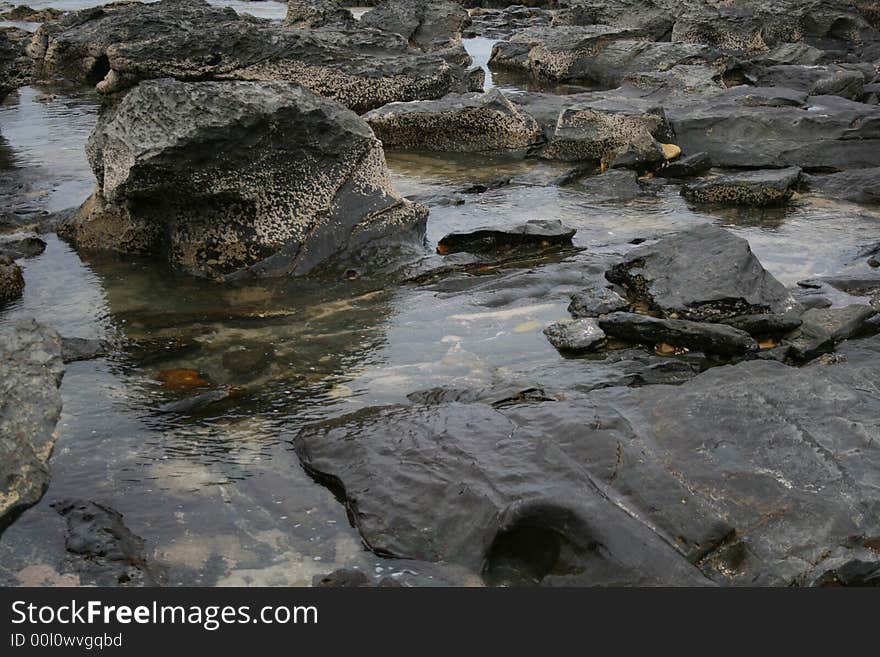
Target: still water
x: 207, y: 477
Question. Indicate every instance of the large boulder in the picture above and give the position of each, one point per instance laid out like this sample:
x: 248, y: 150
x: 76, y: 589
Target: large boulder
x: 114, y: 48
x: 30, y: 404
x: 425, y: 24
x: 752, y: 474
x: 467, y: 123
x: 235, y: 179
x: 702, y: 274
x: 767, y: 127
x: 599, y: 54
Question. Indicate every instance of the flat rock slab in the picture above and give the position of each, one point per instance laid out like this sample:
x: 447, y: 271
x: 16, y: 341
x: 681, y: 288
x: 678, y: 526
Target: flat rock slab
x: 715, y: 339
x: 858, y: 186
x: 757, y: 474
x: 537, y: 233
x: 30, y: 404
x: 240, y: 179
x: 702, y: 274
x: 466, y: 123
x: 823, y: 328
x: 770, y: 187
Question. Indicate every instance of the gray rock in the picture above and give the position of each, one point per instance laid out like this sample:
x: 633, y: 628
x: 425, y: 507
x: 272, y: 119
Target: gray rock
x: 77, y: 349
x: 617, y: 185
x: 766, y: 325
x: 11, y: 280
x: 317, y: 13
x: 538, y: 233
x: 702, y: 274
x: 115, y: 47
x: 425, y: 24
x: 23, y: 247
x: 16, y: 70
x: 30, y: 404
x: 770, y: 187
x: 823, y: 328
x: 714, y: 339
x: 686, y: 167
x: 575, y: 335
x: 859, y: 185
x: 649, y: 17
x: 596, y: 302
x: 456, y: 123
x: 235, y: 179
x: 754, y: 474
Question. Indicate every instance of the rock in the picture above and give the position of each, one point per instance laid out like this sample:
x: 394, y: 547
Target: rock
x: 425, y: 24
x: 617, y: 185
x: 116, y: 47
x: 456, y: 123
x: 605, y: 130
x: 765, y: 325
x: 77, y: 349
x: 859, y: 185
x: 714, y: 339
x: 342, y: 578
x: 249, y: 361
x: 822, y: 329
x: 599, y: 54
x: 845, y: 80
x: 501, y: 23
x: 236, y: 179
x: 753, y: 474
x: 538, y: 233
x: 653, y: 19
x: 686, y: 167
x: 11, y: 280
x: 25, y: 14
x: 575, y: 335
x: 471, y: 511
x: 317, y: 13
x: 736, y: 130
x: 23, y: 247
x: 16, y: 70
x: 106, y: 552
x: 770, y: 187
x: 705, y: 274
x: 30, y: 404
x: 595, y: 302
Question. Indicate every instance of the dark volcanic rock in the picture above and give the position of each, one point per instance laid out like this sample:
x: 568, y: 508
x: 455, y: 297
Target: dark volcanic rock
x: 22, y: 247
x: 576, y: 335
x: 860, y: 185
x: 317, y: 13
x: 755, y: 473
x: 715, y: 339
x: 652, y: 18
x: 16, y: 70
x: 757, y: 188
x: 116, y: 47
x: 532, y: 234
x: 425, y: 24
x: 596, y: 302
x: 11, y: 280
x: 766, y: 324
x: 76, y: 349
x: 30, y: 404
x: 456, y: 123
x: 686, y: 167
x: 107, y: 552
x: 233, y: 179
x: 702, y: 274
x: 823, y: 328
x: 740, y: 129
x: 617, y: 185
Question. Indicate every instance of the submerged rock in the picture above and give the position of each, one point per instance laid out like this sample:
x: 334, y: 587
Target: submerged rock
x: 737, y: 475
x: 11, y: 280
x: 756, y: 188
x: 713, y: 339
x: 576, y: 335
x: 466, y: 123
x: 107, y: 553
x: 234, y: 179
x: 30, y: 404
x: 77, y: 349
x: 116, y: 47
x: 532, y: 234
x: 425, y: 24
x: 702, y: 274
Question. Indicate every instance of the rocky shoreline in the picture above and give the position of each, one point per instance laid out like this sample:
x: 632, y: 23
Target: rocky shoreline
x: 724, y: 426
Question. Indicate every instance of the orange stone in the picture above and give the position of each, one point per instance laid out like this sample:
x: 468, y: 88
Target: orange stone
x: 181, y: 379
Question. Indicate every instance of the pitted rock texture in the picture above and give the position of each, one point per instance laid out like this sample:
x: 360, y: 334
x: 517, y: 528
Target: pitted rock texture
x: 425, y: 24
x: 317, y: 13
x: 236, y: 179
x: 16, y: 70
x: 753, y: 474
x: 467, y: 123
x: 113, y: 48
x: 705, y: 274
x: 755, y: 188
x: 30, y: 404
x: 11, y: 280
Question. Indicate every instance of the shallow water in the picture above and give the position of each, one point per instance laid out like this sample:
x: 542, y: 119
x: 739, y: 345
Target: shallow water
x: 214, y: 487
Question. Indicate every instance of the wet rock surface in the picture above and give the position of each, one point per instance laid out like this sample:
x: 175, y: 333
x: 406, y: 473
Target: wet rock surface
x: 431, y: 25
x: 756, y: 188
x: 30, y: 404
x: 296, y: 180
x: 11, y: 280
x: 576, y: 335
x: 532, y: 234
